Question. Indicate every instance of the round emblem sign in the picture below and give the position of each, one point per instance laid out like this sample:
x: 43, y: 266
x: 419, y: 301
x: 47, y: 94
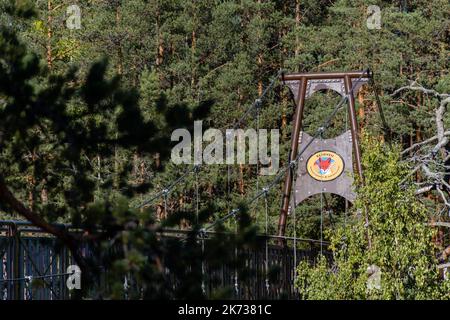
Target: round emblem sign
x: 325, y: 165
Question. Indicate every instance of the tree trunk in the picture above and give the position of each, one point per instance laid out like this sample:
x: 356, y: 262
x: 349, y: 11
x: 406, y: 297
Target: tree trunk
x: 241, y: 179
x: 193, y: 49
x: 361, y: 100
x: 297, y: 25
x: 119, y: 48
x: 159, y: 41
x: 49, y: 34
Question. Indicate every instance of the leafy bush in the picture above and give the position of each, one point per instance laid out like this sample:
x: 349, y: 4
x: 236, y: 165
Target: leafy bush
x: 400, y: 252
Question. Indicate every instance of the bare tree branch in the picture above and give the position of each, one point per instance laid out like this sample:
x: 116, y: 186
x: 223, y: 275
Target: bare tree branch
x: 429, y: 161
x: 424, y: 189
x: 414, y: 86
x: 424, y: 142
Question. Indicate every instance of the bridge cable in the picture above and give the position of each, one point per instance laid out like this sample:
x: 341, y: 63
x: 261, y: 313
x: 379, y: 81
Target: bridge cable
x: 188, y: 171
x: 197, y: 205
x: 165, y: 202
x: 294, y: 211
x: 203, y: 265
x: 30, y: 278
x: 257, y: 183
x: 321, y: 210
x: 386, y: 129
x: 236, y: 278
x: 266, y: 262
x: 169, y: 188
x: 345, y: 199
x: 283, y: 170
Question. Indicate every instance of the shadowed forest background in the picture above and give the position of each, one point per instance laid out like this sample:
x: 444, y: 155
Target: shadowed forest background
x: 86, y: 120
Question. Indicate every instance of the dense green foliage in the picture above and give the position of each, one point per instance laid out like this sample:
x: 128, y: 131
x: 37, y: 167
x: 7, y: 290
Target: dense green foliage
x: 53, y: 124
x: 225, y: 51
x: 400, y: 241
x: 86, y: 116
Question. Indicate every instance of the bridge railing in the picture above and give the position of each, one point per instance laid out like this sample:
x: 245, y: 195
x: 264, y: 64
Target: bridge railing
x: 33, y: 266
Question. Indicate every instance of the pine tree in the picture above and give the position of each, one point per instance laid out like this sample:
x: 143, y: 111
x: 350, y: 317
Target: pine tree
x: 399, y: 261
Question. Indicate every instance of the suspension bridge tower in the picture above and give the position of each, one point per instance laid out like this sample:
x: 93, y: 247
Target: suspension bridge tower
x: 321, y: 165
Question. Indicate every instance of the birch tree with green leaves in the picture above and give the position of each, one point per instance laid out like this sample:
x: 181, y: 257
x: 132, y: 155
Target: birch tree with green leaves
x: 391, y: 257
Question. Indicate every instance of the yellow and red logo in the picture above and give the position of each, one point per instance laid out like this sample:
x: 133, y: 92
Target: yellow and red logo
x: 325, y: 165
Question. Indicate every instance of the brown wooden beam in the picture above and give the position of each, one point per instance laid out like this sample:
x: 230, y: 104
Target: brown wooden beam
x: 298, y: 118
x: 325, y: 75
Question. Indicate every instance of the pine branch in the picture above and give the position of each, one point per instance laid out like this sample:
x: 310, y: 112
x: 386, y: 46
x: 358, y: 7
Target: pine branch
x: 7, y: 197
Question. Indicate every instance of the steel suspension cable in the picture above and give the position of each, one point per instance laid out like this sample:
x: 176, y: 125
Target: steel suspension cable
x: 386, y: 129
x: 266, y: 262
x: 321, y: 219
x: 197, y: 200
x: 236, y: 284
x: 292, y: 163
x: 170, y: 187
x: 294, y: 211
x: 346, y: 201
x: 257, y: 185
x: 203, y: 265
x: 165, y: 201
x: 197, y: 206
x: 30, y: 278
x: 256, y: 103
x: 321, y: 209
x: 257, y: 143
x: 279, y: 176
